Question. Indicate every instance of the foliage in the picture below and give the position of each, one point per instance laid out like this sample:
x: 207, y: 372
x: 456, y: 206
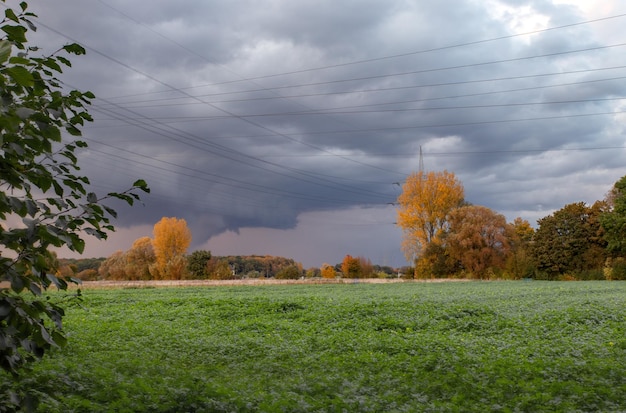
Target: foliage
x: 139, y: 258
x: 219, y: 269
x: 519, y: 263
x: 88, y: 275
x: 265, y: 265
x: 568, y: 241
x: 408, y: 347
x: 351, y: 267
x: 113, y: 267
x: 615, y: 269
x: 435, y: 262
x: 134, y: 264
x: 197, y: 264
x: 292, y: 272
x: 44, y: 201
x: 171, y: 239
x: 82, y: 264
x: 614, y: 220
x: 478, y: 239
x: 328, y: 271
x: 424, y: 205
x: 367, y: 269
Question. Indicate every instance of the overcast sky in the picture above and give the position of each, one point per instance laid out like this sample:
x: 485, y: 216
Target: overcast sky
x: 281, y: 127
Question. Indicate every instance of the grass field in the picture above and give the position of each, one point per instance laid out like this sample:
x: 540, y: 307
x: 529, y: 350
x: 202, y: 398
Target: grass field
x: 404, y: 347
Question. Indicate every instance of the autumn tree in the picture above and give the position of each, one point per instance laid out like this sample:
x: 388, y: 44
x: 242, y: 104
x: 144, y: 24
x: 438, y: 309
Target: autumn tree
x: 367, y: 269
x: 519, y: 264
x: 219, y: 269
x: 138, y: 259
x: 171, y: 239
x: 351, y: 267
x: 423, y: 208
x: 477, y: 238
x: 114, y: 267
x: 328, y: 271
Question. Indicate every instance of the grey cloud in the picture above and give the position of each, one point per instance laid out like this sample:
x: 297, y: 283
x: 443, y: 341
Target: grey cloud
x: 200, y: 99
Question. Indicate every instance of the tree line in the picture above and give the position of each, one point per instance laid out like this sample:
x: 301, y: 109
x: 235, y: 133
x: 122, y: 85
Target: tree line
x: 446, y: 236
x: 164, y: 257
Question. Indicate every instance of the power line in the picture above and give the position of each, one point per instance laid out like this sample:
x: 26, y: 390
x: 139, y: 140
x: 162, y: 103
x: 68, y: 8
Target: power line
x: 355, y: 62
x: 184, y: 137
x: 418, y: 109
x: 234, y: 115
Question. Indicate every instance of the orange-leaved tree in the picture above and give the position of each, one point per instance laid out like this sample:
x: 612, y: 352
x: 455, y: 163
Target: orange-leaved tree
x: 328, y: 271
x: 171, y: 239
x: 351, y: 267
x: 478, y: 238
x: 423, y: 207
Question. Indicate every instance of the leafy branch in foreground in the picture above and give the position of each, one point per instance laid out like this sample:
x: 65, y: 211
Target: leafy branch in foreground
x: 44, y: 201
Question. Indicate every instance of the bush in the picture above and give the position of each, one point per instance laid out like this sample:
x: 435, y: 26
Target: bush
x: 289, y: 273
x: 615, y: 269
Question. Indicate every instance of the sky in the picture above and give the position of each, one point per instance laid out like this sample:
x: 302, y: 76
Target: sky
x: 286, y: 127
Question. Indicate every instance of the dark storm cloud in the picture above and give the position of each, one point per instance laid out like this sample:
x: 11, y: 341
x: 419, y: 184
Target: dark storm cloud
x: 248, y: 114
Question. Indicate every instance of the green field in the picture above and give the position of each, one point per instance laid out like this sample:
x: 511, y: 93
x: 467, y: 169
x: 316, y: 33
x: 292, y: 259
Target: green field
x: 406, y: 347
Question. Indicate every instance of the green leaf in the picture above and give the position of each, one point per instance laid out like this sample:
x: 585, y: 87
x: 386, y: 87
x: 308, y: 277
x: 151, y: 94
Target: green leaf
x: 73, y: 130
x: 59, y: 339
x: 15, y: 33
x: 10, y: 14
x: 52, y: 65
x: 5, y: 51
x: 21, y: 76
x: 31, y: 207
x: 110, y: 211
x: 31, y: 25
x: 74, y: 48
x: 141, y: 184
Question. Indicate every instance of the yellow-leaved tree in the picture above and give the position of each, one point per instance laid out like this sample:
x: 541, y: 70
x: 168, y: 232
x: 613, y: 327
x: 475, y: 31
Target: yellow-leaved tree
x: 171, y: 239
x: 423, y: 207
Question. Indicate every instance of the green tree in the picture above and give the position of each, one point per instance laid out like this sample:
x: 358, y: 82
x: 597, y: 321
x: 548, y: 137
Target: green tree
x: 567, y: 242
x: 197, y: 264
x: 613, y: 221
x: 291, y: 272
x: 519, y: 264
x: 44, y: 201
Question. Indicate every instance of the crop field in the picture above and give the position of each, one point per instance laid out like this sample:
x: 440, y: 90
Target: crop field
x: 402, y: 347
